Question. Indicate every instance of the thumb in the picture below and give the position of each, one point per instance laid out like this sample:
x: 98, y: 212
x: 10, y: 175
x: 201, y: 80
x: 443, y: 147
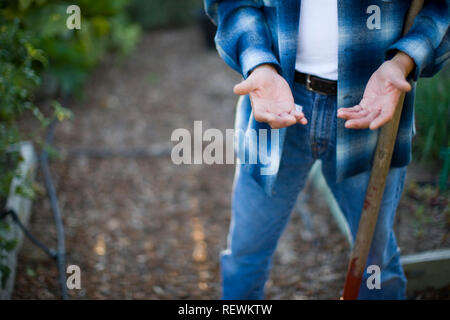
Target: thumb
x: 245, y: 87
x: 401, y: 83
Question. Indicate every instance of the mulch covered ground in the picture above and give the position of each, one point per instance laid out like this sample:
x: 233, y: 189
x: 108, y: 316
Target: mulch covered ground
x: 144, y: 228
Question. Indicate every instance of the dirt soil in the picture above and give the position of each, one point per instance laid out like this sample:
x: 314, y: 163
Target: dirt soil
x: 144, y: 228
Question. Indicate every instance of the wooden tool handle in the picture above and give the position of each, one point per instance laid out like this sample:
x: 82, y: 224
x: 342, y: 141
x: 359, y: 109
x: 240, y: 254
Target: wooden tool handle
x: 375, y: 189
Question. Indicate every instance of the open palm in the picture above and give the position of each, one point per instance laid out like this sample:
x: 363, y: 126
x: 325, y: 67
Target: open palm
x: 380, y: 98
x: 271, y: 98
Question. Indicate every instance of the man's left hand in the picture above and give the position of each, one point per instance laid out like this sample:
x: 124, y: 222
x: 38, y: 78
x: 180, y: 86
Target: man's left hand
x: 381, y: 95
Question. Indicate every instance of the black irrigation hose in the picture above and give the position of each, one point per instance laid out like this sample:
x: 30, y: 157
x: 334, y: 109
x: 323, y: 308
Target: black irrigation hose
x: 61, y: 247
x: 16, y: 220
x: 96, y: 152
x: 60, y: 253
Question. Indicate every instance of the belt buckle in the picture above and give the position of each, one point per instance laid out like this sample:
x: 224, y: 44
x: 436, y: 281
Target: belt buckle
x: 308, y: 82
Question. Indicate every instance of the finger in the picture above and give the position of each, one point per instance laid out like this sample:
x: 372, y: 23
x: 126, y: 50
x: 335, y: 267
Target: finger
x: 355, y: 112
x: 245, y: 87
x: 401, y: 84
x: 265, y: 117
x: 287, y: 119
x: 282, y: 121
x: 384, y: 117
x: 356, y: 108
x: 362, y: 123
x: 299, y: 117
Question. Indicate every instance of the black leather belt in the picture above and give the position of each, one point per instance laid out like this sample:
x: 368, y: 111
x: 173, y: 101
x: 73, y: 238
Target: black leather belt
x: 316, y: 84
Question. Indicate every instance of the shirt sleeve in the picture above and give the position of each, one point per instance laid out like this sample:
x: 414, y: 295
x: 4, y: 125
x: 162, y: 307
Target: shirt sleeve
x: 427, y: 42
x: 243, y: 38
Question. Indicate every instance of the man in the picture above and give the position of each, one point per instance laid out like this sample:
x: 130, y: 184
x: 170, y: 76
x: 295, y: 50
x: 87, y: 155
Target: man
x: 346, y: 64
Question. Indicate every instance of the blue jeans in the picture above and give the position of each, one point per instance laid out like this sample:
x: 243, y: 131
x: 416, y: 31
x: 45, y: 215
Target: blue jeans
x: 258, y: 219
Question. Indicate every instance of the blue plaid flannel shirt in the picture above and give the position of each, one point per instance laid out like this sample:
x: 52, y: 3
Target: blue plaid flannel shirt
x: 255, y: 32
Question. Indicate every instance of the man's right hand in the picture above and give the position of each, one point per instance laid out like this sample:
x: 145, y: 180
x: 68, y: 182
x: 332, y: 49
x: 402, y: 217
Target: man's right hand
x: 271, y: 98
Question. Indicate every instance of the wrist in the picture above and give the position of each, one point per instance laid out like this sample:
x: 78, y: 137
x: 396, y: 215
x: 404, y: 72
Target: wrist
x: 265, y: 66
x: 404, y: 62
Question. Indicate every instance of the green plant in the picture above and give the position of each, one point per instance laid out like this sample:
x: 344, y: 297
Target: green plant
x: 73, y: 53
x: 432, y: 111
x: 6, y: 245
x: 17, y: 79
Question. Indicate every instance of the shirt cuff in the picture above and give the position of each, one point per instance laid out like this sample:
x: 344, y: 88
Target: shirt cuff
x: 253, y: 57
x: 418, y: 47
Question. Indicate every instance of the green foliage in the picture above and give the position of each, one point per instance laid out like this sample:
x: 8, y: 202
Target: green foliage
x: 432, y: 110
x: 73, y: 53
x: 17, y: 80
x: 6, y: 245
x: 161, y: 13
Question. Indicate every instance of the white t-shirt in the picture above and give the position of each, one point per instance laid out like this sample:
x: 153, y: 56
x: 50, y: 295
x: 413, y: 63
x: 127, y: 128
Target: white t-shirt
x: 317, y: 48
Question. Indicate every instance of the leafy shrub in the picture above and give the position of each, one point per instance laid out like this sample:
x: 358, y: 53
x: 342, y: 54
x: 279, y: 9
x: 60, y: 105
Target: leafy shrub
x: 73, y: 53
x: 17, y: 80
